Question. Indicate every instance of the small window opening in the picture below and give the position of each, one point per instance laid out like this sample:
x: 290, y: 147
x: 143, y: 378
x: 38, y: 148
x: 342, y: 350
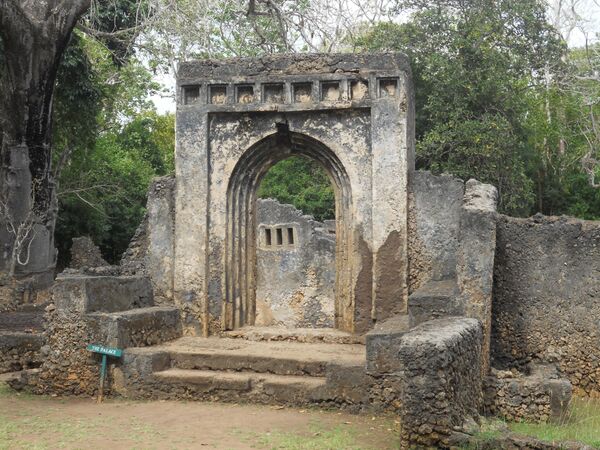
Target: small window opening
x: 245, y: 93
x: 359, y: 89
x: 330, y: 91
x: 191, y: 94
x: 388, y: 87
x: 279, y: 236
x: 302, y: 92
x: 273, y: 93
x: 218, y: 94
x: 268, y: 240
x: 290, y: 236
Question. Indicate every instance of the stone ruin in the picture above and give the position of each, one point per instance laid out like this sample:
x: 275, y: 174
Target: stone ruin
x: 295, y: 268
x: 419, y: 299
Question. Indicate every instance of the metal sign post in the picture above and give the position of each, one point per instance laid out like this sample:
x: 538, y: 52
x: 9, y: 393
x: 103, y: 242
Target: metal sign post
x: 105, y: 352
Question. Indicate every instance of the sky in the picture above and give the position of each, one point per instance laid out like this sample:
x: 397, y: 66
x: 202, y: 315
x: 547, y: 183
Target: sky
x: 590, y: 22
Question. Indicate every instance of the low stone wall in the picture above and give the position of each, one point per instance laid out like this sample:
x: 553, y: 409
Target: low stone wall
x: 546, y: 297
x: 113, y: 311
x: 430, y: 375
x: 441, y: 362
x: 19, y: 351
x: 25, y: 292
x: 537, y: 397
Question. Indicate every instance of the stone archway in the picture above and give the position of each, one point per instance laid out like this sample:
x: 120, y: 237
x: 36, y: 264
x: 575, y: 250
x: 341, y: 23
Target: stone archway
x: 352, y: 113
x: 239, y: 305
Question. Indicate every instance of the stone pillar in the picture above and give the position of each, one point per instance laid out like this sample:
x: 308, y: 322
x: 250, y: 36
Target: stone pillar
x: 191, y: 233
x: 475, y: 259
x: 392, y: 162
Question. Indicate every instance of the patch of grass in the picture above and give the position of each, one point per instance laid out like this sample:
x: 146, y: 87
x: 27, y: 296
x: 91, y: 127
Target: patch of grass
x: 33, y: 431
x: 318, y: 438
x: 581, y: 423
x: 5, y: 390
x: 490, y: 430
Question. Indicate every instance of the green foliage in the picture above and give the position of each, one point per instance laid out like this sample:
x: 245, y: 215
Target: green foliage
x: 485, y: 148
x: 116, y: 144
x: 474, y: 63
x: 303, y: 183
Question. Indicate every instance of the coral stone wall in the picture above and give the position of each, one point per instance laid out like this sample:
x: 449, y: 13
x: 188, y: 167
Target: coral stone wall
x: 295, y: 275
x: 441, y: 366
x: 547, y: 297
x: 533, y: 398
x: 435, y: 204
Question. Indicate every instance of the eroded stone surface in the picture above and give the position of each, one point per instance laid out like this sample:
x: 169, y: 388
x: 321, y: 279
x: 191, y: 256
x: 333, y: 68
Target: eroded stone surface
x: 546, y: 293
x: 295, y: 262
x: 441, y: 362
x: 84, y: 253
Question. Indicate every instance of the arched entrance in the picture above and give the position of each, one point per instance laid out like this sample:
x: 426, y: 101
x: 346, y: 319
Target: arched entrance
x: 235, y: 119
x: 239, y: 306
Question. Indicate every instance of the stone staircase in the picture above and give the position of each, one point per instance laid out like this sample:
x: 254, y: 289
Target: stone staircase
x: 238, y: 369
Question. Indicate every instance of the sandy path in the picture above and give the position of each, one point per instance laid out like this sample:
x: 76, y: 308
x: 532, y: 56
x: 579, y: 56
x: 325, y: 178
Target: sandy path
x: 43, y: 422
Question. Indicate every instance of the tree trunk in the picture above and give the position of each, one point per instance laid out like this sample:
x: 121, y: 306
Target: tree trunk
x: 34, y: 36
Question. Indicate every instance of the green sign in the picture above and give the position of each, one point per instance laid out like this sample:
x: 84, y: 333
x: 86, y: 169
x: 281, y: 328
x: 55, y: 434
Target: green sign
x: 116, y: 352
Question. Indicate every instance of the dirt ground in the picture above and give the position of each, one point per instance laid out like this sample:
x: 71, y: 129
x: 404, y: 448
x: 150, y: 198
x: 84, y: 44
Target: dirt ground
x: 34, y: 422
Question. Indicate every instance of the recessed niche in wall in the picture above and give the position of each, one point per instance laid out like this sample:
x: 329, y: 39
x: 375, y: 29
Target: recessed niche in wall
x: 279, y: 234
x: 244, y: 93
x: 217, y: 94
x: 359, y: 89
x: 191, y: 94
x: 273, y: 93
x: 388, y: 87
x: 330, y: 91
x: 302, y: 92
x: 268, y: 239
x: 290, y: 236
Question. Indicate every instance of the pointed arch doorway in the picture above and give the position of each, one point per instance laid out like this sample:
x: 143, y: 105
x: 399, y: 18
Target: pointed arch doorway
x: 239, y: 306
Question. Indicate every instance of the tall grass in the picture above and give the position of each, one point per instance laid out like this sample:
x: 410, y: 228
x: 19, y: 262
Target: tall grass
x: 581, y: 423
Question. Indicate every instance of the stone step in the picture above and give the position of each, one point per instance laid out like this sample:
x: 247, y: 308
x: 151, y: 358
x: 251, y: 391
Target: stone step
x: 261, y: 387
x: 139, y: 327
x: 304, y: 335
x: 280, y: 358
x: 434, y: 300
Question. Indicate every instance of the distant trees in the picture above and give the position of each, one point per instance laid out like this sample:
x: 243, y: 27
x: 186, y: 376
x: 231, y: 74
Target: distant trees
x: 499, y: 98
x: 303, y: 183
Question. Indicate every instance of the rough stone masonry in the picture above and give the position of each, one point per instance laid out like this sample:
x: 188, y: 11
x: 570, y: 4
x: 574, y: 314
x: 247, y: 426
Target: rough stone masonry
x: 420, y: 298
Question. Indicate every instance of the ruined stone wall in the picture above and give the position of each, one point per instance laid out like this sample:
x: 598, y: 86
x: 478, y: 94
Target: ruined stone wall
x: 536, y: 397
x: 441, y: 392
x: 150, y: 252
x: 115, y: 311
x: 546, y: 304
x: 435, y: 204
x: 19, y: 351
x: 295, y: 275
x: 84, y: 253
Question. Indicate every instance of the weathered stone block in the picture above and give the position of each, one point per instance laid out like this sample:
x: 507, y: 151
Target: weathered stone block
x: 138, y: 327
x: 434, y: 300
x: 19, y: 351
x: 383, y: 343
x: 86, y: 294
x: 441, y: 361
